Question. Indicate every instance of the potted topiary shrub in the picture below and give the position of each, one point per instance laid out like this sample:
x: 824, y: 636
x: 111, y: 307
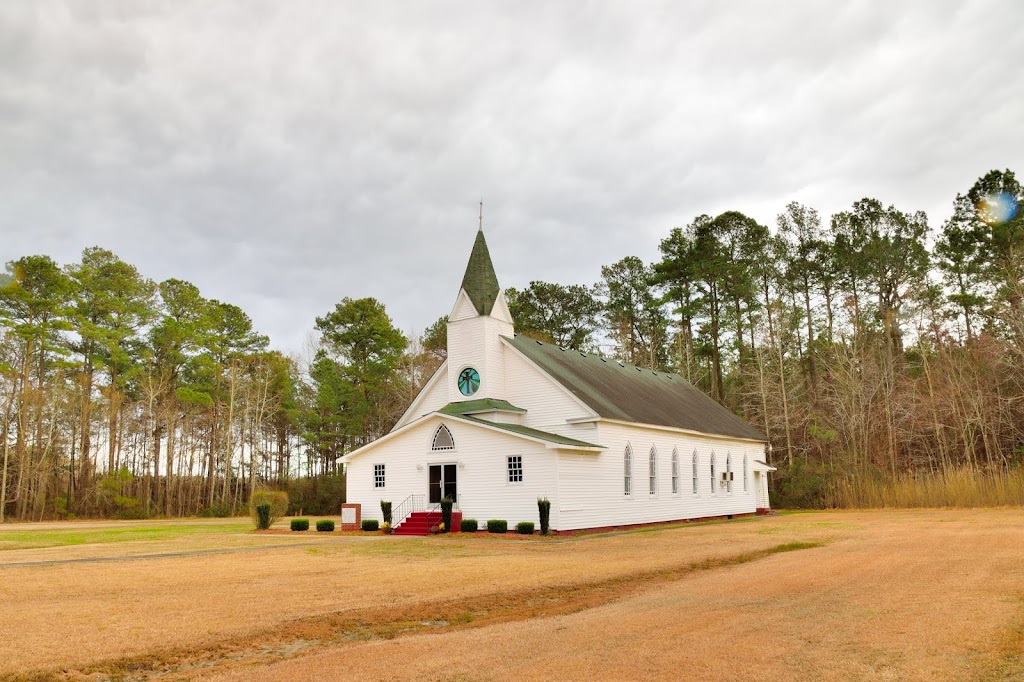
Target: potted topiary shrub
x: 446, y: 513
x: 263, y: 516
x: 385, y: 510
x: 544, y: 507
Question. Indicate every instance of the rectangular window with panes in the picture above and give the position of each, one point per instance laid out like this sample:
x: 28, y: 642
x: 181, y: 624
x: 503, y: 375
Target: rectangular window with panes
x: 515, y: 469
x: 378, y: 475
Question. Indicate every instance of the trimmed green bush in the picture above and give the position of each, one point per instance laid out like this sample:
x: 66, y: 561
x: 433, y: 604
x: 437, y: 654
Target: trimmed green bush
x: 446, y: 513
x: 469, y: 525
x: 371, y: 524
x: 300, y: 524
x: 277, y: 500
x: 325, y: 526
x: 524, y: 527
x: 385, y: 510
x: 263, y: 516
x: 497, y: 526
x: 544, y: 507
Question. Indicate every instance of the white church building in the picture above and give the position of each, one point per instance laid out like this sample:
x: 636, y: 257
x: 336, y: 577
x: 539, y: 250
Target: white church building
x: 507, y: 419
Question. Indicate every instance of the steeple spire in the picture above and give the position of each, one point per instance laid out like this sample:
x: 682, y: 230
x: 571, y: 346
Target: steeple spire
x: 480, y: 281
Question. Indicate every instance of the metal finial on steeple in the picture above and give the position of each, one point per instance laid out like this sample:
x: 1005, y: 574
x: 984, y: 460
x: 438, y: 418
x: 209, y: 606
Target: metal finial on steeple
x: 481, y: 215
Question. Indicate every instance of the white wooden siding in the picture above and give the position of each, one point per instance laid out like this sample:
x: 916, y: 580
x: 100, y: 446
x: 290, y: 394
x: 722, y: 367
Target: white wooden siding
x: 591, y: 486
x: 483, y: 487
x: 476, y: 342
x: 547, y: 405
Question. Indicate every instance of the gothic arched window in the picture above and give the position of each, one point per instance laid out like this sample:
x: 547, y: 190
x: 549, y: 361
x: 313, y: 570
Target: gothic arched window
x: 627, y: 464
x: 675, y: 471
x: 443, y: 439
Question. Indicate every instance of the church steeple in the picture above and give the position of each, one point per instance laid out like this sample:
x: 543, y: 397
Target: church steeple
x: 480, y: 281
x: 476, y: 368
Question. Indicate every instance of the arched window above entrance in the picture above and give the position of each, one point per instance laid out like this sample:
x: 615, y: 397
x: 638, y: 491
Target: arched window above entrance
x: 443, y: 439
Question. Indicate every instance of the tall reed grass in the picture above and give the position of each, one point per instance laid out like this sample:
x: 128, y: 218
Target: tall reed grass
x: 963, y: 487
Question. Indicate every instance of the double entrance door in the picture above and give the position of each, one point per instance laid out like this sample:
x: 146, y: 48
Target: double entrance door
x: 443, y: 482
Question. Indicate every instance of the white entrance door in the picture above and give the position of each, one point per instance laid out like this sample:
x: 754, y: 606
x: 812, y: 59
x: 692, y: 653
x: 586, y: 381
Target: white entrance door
x: 760, y: 497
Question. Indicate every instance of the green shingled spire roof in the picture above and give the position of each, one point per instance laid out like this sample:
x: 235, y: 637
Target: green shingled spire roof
x: 480, y: 282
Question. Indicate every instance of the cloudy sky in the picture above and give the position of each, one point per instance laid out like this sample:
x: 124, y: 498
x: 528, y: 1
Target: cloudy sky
x: 283, y: 155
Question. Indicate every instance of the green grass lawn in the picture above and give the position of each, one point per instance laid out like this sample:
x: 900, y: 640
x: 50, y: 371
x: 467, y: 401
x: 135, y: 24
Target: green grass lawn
x: 144, y: 532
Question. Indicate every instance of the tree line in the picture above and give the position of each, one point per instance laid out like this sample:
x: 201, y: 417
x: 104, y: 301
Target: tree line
x: 867, y: 345
x: 120, y: 396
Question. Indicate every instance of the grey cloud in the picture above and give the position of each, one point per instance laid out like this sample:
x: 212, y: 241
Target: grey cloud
x: 284, y: 156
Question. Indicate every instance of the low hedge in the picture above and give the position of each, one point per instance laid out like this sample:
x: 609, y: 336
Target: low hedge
x: 497, y: 526
x: 469, y: 526
x: 524, y: 527
x: 300, y: 524
x: 325, y: 526
x: 371, y: 524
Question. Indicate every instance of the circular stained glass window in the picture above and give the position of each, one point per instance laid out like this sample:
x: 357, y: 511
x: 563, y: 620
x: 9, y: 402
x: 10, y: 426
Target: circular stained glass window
x: 469, y: 381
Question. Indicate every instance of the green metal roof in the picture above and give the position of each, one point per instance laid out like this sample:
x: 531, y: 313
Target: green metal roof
x: 480, y: 280
x: 618, y: 391
x: 481, y: 405
x: 532, y: 433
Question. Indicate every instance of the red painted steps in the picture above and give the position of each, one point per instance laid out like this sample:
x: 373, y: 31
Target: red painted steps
x: 418, y: 523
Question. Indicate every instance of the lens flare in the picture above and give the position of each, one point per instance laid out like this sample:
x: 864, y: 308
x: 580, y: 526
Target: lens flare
x: 999, y: 208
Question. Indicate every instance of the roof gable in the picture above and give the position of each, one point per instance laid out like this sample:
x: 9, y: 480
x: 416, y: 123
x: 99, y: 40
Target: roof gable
x: 627, y: 393
x: 481, y: 405
x: 464, y: 308
x: 550, y: 440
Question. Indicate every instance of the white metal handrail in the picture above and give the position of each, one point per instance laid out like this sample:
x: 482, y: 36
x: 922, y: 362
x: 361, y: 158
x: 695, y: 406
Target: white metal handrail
x: 413, y: 503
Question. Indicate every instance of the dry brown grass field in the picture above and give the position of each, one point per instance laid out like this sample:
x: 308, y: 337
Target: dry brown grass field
x: 893, y: 595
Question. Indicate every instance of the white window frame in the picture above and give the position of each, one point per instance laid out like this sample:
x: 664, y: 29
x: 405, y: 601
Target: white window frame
x: 511, y: 470
x: 652, y: 472
x: 379, y: 476
x: 714, y: 478
x: 728, y: 473
x: 696, y: 473
x: 675, y: 471
x: 627, y: 464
